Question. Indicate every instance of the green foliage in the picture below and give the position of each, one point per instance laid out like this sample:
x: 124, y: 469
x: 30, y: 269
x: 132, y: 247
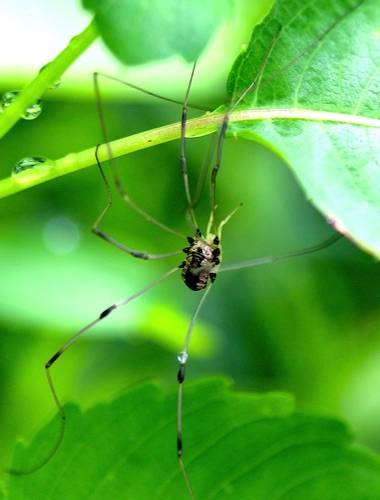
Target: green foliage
x: 238, y: 445
x: 158, y: 29
x: 332, y: 151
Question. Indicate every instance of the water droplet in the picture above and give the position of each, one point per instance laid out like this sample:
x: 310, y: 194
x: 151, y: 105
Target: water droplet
x: 32, y: 112
x: 29, y: 163
x: 56, y: 84
x: 8, y: 98
x: 182, y: 357
x: 31, y: 168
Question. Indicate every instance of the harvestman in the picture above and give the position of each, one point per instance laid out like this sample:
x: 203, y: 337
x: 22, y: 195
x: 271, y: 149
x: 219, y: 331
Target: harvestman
x: 203, y: 255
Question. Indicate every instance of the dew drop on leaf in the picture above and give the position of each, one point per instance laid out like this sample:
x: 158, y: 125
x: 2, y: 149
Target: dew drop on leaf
x: 56, y: 84
x: 31, y: 168
x: 31, y: 113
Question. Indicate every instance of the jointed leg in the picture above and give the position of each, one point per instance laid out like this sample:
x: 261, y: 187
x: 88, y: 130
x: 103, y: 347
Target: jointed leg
x: 59, y: 353
x: 182, y: 358
x: 223, y: 130
x: 117, y: 181
x: 99, y: 232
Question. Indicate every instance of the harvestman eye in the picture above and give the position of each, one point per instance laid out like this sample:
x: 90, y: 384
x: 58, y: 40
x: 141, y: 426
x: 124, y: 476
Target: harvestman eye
x: 199, y: 266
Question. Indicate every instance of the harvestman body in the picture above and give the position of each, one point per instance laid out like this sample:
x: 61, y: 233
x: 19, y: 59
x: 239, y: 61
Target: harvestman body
x: 203, y: 255
x: 202, y: 261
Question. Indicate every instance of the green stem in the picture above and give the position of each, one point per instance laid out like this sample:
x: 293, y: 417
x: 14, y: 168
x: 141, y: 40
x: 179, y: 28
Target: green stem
x: 196, y: 127
x: 76, y: 161
x: 46, y: 79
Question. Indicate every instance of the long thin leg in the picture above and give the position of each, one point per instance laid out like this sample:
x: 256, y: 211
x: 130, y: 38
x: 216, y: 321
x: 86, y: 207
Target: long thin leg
x: 276, y: 258
x: 183, y: 159
x: 59, y: 353
x: 182, y: 358
x: 204, y: 171
x: 311, y: 45
x: 148, y: 92
x: 255, y: 83
x: 99, y: 232
x: 124, y: 195
x: 223, y: 130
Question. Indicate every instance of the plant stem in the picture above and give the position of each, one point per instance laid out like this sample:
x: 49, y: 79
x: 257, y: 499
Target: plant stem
x: 46, y: 78
x: 196, y: 127
x: 72, y: 162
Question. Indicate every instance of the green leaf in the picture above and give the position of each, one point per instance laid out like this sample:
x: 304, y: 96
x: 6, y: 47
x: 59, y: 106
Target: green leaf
x: 320, y: 92
x: 237, y: 445
x: 137, y: 31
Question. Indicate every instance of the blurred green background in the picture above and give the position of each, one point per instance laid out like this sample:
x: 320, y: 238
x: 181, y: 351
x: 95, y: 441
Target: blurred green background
x: 308, y: 325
